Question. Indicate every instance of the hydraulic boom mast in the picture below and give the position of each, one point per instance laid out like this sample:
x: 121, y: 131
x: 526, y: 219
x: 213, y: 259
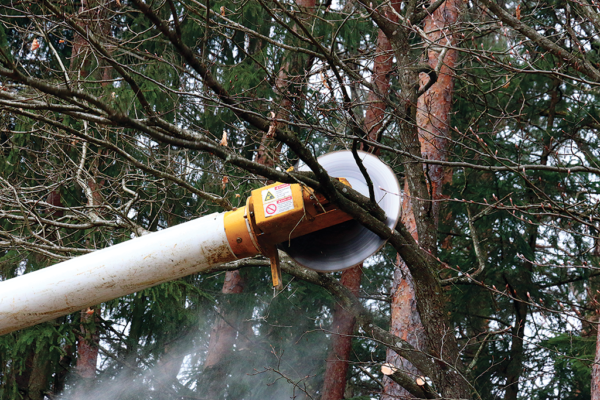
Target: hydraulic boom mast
x: 290, y: 217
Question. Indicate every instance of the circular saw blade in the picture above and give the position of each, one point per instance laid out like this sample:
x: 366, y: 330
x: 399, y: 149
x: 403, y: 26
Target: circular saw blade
x: 348, y: 244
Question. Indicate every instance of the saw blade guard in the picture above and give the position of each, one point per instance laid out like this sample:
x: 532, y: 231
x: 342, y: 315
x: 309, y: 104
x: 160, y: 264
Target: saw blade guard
x: 348, y: 244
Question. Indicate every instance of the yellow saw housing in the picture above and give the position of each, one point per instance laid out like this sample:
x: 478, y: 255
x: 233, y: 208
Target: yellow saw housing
x: 277, y: 213
x: 302, y: 223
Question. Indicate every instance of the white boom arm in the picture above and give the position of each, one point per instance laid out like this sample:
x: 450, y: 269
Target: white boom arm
x: 113, y: 272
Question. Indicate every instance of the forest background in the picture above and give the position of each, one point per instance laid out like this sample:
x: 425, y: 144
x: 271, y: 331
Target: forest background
x: 123, y: 117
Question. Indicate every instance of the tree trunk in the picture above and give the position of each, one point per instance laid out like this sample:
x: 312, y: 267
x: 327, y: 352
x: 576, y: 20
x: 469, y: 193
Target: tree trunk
x: 87, y: 353
x: 224, y: 332
x: 87, y: 345
x: 433, y: 111
x: 343, y: 326
x: 38, y: 381
x: 22, y: 377
x: 381, y: 70
x: 515, y: 363
x: 32, y: 381
x: 267, y: 155
x: 596, y: 370
x: 89, y: 339
x: 64, y: 368
x: 406, y: 322
x: 336, y: 372
x: 514, y: 368
x: 222, y: 338
x: 289, y: 83
x: 168, y: 368
x: 93, y: 16
x: 594, y: 305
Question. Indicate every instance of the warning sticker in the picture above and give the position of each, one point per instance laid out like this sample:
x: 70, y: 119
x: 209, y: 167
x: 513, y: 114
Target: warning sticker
x: 269, y: 196
x: 277, y: 200
x: 270, y: 209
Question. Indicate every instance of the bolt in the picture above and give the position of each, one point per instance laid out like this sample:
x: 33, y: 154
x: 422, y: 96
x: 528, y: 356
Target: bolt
x: 239, y: 240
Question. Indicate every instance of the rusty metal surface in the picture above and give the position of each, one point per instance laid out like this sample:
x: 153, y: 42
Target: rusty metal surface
x: 113, y: 272
x: 348, y: 244
x: 239, y: 234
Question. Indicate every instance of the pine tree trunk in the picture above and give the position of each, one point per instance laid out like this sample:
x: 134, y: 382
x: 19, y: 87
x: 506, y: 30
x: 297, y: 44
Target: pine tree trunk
x: 89, y: 339
x: 64, y: 368
x: 32, y: 381
x: 381, y: 70
x: 87, y: 345
x: 222, y: 338
x: 405, y: 319
x: 289, y: 83
x: 515, y: 364
x: 336, y: 372
x: 514, y: 368
x: 224, y: 332
x: 267, y: 155
x: 38, y: 381
x: 87, y: 353
x: 433, y: 112
x: 167, y: 369
x: 596, y: 370
x: 594, y: 305
x: 22, y: 377
x: 343, y: 327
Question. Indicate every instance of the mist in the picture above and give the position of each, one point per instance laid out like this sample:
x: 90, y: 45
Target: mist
x: 275, y: 355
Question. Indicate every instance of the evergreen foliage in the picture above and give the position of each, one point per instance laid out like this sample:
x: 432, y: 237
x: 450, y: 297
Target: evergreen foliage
x: 523, y: 163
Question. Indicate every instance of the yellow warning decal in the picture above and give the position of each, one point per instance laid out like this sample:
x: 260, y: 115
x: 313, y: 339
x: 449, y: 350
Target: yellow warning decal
x: 269, y: 196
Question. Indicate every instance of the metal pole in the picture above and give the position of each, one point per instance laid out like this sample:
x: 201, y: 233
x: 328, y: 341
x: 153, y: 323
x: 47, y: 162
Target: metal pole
x: 113, y: 272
